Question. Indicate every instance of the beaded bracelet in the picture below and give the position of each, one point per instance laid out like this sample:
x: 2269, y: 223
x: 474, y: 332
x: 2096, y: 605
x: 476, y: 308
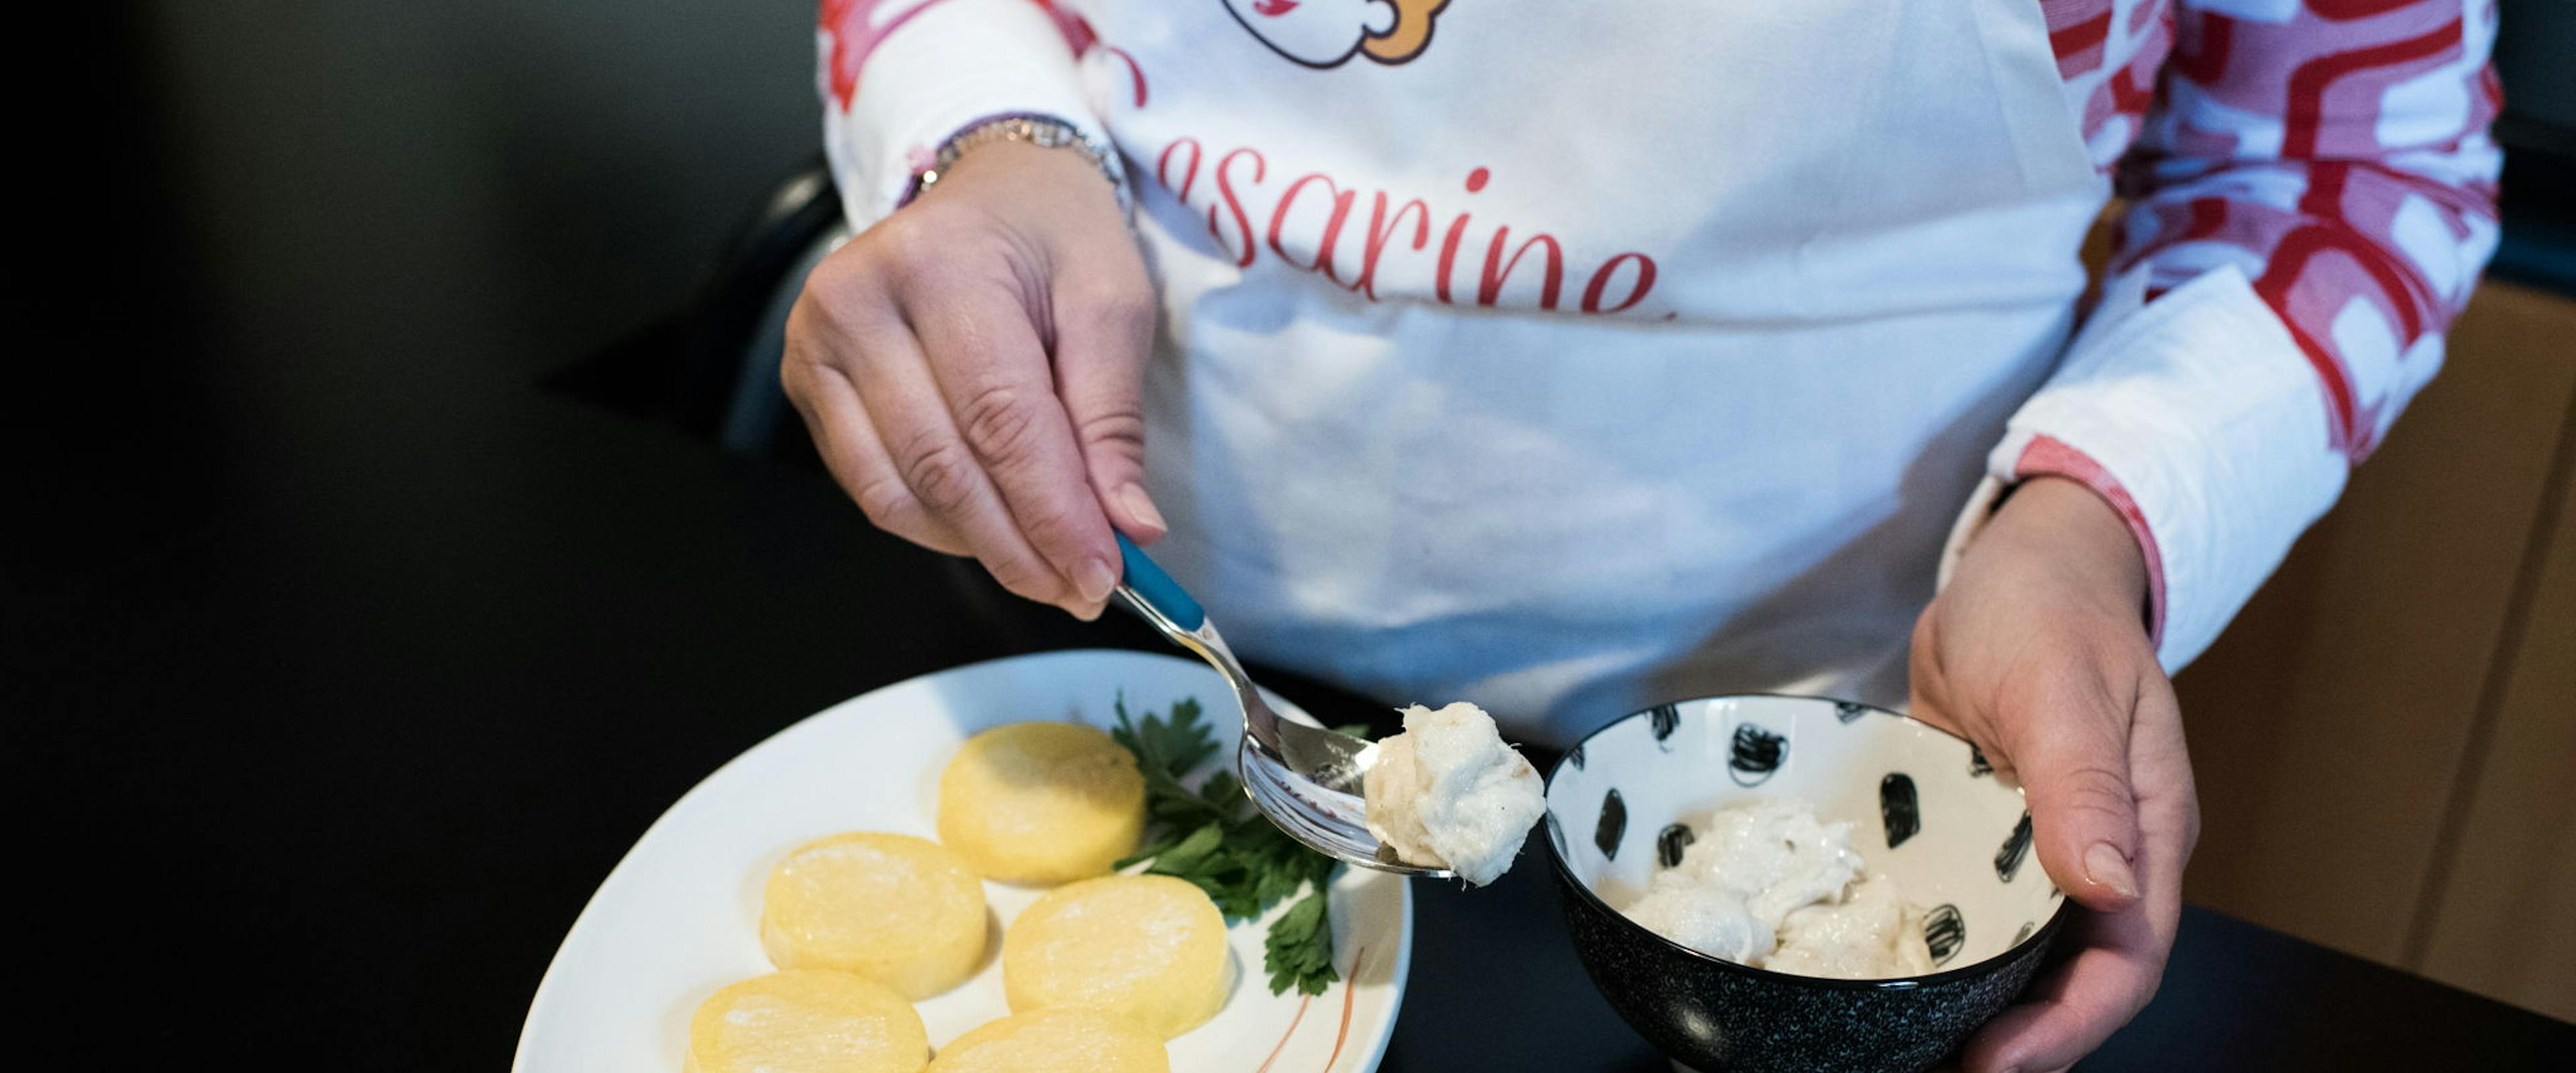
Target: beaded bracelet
x: 1042, y: 131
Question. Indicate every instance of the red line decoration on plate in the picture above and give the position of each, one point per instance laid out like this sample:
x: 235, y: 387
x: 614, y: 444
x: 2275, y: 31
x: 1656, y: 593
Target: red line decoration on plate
x: 1350, y: 987
x: 1293, y: 1022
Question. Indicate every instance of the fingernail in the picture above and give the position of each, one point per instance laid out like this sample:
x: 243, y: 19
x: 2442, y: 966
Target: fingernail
x: 1143, y: 508
x: 2105, y: 866
x: 1087, y: 612
x: 1094, y: 579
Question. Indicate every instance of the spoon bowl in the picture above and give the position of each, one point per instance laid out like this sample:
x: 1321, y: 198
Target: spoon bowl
x: 1307, y: 780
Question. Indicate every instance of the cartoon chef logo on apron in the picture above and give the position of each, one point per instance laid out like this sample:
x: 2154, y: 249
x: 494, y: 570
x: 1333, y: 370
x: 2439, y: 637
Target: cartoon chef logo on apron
x: 1327, y: 33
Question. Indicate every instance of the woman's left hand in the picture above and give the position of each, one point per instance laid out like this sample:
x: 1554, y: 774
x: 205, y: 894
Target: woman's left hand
x: 2037, y: 651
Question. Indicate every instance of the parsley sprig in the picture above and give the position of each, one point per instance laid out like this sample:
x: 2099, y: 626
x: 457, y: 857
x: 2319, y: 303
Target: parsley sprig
x: 1215, y: 839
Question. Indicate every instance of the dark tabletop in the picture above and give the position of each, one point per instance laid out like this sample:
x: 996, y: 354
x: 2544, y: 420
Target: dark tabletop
x: 339, y: 750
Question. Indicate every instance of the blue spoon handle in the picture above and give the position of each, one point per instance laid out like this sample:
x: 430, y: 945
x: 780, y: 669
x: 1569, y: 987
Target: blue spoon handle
x: 1156, y: 588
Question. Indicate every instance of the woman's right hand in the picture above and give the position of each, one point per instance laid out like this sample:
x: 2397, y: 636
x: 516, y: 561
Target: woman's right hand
x: 969, y: 369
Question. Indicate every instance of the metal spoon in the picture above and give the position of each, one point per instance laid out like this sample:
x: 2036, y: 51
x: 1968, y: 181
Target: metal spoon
x: 1306, y: 780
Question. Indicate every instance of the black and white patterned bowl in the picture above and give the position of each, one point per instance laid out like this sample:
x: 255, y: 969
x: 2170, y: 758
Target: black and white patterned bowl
x: 1924, y: 807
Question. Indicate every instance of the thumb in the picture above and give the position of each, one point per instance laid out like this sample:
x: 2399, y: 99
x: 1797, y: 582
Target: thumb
x: 2072, y: 756
x: 1102, y: 334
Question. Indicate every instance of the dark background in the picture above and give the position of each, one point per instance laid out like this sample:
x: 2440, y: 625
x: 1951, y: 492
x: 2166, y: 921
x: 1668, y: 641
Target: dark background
x: 305, y: 216
x: 292, y: 274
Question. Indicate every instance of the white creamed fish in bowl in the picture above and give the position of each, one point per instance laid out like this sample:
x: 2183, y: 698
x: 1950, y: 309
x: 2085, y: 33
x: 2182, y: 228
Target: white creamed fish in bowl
x: 1762, y: 883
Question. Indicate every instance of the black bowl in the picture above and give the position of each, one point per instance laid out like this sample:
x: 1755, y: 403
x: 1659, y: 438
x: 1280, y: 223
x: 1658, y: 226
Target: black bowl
x: 1925, y: 808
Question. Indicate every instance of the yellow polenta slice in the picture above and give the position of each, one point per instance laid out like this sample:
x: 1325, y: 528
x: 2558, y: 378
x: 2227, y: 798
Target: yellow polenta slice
x: 1062, y: 1040
x: 903, y: 911
x: 1042, y: 802
x: 1150, y: 949
x: 806, y: 1022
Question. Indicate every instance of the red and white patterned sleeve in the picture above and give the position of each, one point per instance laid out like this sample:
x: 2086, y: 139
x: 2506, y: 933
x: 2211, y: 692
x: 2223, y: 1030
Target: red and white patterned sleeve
x: 900, y: 77
x: 2314, y: 195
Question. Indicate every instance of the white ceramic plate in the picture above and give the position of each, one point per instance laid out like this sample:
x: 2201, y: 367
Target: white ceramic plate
x: 680, y: 916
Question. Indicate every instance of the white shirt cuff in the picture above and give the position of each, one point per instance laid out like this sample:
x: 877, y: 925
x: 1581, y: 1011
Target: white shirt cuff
x: 948, y: 65
x: 2198, y: 418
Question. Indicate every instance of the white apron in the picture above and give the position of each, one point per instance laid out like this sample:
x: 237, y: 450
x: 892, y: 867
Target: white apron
x: 1564, y: 358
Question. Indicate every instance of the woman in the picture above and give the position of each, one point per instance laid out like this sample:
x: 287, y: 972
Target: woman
x: 1563, y: 357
